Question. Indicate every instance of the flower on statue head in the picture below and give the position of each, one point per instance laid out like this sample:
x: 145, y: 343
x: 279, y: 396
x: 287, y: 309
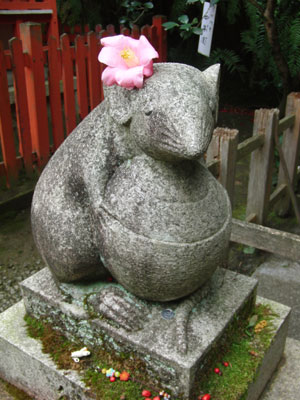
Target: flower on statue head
x: 128, y: 60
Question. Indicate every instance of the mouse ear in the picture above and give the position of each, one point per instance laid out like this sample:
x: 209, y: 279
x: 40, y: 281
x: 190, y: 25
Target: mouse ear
x: 212, y: 77
x: 119, y: 102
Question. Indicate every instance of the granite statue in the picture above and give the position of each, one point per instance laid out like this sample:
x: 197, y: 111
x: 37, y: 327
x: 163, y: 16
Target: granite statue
x: 128, y: 192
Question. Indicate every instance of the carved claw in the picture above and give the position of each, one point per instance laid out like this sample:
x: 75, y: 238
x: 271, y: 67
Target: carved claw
x: 183, y: 313
x: 120, y: 307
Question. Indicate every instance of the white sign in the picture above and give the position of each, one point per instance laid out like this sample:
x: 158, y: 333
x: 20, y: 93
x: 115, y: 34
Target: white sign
x: 207, y: 26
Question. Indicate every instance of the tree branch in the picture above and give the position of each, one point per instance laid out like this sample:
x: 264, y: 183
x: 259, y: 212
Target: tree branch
x: 258, y: 6
x: 273, y: 38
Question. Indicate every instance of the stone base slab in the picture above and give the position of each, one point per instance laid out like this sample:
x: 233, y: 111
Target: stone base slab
x: 155, y: 343
x: 23, y: 364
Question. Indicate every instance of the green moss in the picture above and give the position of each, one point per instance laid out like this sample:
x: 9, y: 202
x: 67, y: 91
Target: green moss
x: 239, y: 212
x: 16, y: 393
x: 241, y: 347
x: 244, y: 357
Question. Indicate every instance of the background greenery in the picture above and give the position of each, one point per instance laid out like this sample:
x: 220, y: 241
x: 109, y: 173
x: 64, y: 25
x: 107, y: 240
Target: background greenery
x: 257, y: 69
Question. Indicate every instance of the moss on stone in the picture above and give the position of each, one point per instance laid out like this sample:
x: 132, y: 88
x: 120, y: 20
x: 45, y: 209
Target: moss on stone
x: 244, y: 352
x: 244, y: 356
x: 16, y: 393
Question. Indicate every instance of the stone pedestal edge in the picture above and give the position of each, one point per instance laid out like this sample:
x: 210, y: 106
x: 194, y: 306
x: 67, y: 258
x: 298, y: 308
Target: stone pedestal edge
x: 23, y: 364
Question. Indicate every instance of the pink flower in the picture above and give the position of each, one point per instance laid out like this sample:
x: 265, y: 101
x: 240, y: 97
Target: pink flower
x: 128, y: 60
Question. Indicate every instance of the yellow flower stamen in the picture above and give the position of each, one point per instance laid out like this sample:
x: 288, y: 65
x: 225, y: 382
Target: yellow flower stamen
x: 129, y: 57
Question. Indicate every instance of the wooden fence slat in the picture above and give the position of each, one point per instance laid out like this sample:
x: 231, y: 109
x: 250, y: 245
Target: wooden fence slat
x: 286, y: 122
x: 68, y: 84
x: 290, y: 147
x: 145, y: 31
x: 157, y: 21
x: 154, y: 40
x: 25, y: 146
x: 261, y: 237
x: 125, y: 31
x: 278, y: 194
x: 80, y: 60
x: 94, y: 73
x: 135, y: 32
x: 31, y: 37
x: 54, y: 75
x: 249, y: 145
x: 260, y: 176
x: 6, y: 128
x: 110, y: 29
x: 228, y: 152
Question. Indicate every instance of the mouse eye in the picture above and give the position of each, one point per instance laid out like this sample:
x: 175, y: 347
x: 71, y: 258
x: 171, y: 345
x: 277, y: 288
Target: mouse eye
x: 148, y: 113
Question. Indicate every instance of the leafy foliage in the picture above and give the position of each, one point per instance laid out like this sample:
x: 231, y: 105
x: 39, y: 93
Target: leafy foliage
x: 228, y: 58
x: 136, y: 11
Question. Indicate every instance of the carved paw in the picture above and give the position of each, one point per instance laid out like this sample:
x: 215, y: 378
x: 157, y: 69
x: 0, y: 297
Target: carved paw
x: 183, y: 313
x: 120, y: 307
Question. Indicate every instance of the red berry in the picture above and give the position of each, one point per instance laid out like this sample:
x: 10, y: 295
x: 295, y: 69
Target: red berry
x: 217, y: 370
x: 206, y: 397
x: 112, y: 378
x: 146, y: 393
x: 226, y: 364
x: 156, y: 398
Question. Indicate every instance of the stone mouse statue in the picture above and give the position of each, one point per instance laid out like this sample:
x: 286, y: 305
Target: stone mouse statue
x: 126, y: 191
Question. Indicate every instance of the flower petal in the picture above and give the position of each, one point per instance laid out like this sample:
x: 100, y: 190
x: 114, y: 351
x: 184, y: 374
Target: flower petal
x: 114, y: 41
x: 111, y: 57
x: 148, y: 69
x: 145, y: 51
x: 130, y: 78
x: 109, y: 76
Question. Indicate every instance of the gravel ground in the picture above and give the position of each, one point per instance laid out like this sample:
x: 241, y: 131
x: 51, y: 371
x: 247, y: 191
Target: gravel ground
x: 18, y: 255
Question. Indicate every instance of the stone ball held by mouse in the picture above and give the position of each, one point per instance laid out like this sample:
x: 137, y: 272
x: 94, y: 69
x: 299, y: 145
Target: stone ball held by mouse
x: 127, y: 191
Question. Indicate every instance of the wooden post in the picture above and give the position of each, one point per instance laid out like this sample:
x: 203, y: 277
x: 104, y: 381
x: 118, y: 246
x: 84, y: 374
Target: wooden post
x: 31, y: 37
x: 223, y: 147
x: 290, y: 148
x: 228, y: 155
x: 54, y: 93
x: 261, y: 165
x: 22, y: 113
x: 68, y: 83
x: 6, y: 129
x: 94, y: 70
x: 213, y: 151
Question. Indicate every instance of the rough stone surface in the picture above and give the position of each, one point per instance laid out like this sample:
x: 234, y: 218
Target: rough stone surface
x: 274, y: 352
x: 126, y: 191
x: 156, y: 342
x: 285, y: 382
x: 279, y: 280
x: 23, y: 364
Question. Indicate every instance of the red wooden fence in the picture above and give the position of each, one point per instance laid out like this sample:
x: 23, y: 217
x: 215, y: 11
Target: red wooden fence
x: 40, y: 74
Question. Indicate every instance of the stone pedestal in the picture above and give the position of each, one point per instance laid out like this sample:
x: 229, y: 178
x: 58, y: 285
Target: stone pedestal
x: 231, y: 295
